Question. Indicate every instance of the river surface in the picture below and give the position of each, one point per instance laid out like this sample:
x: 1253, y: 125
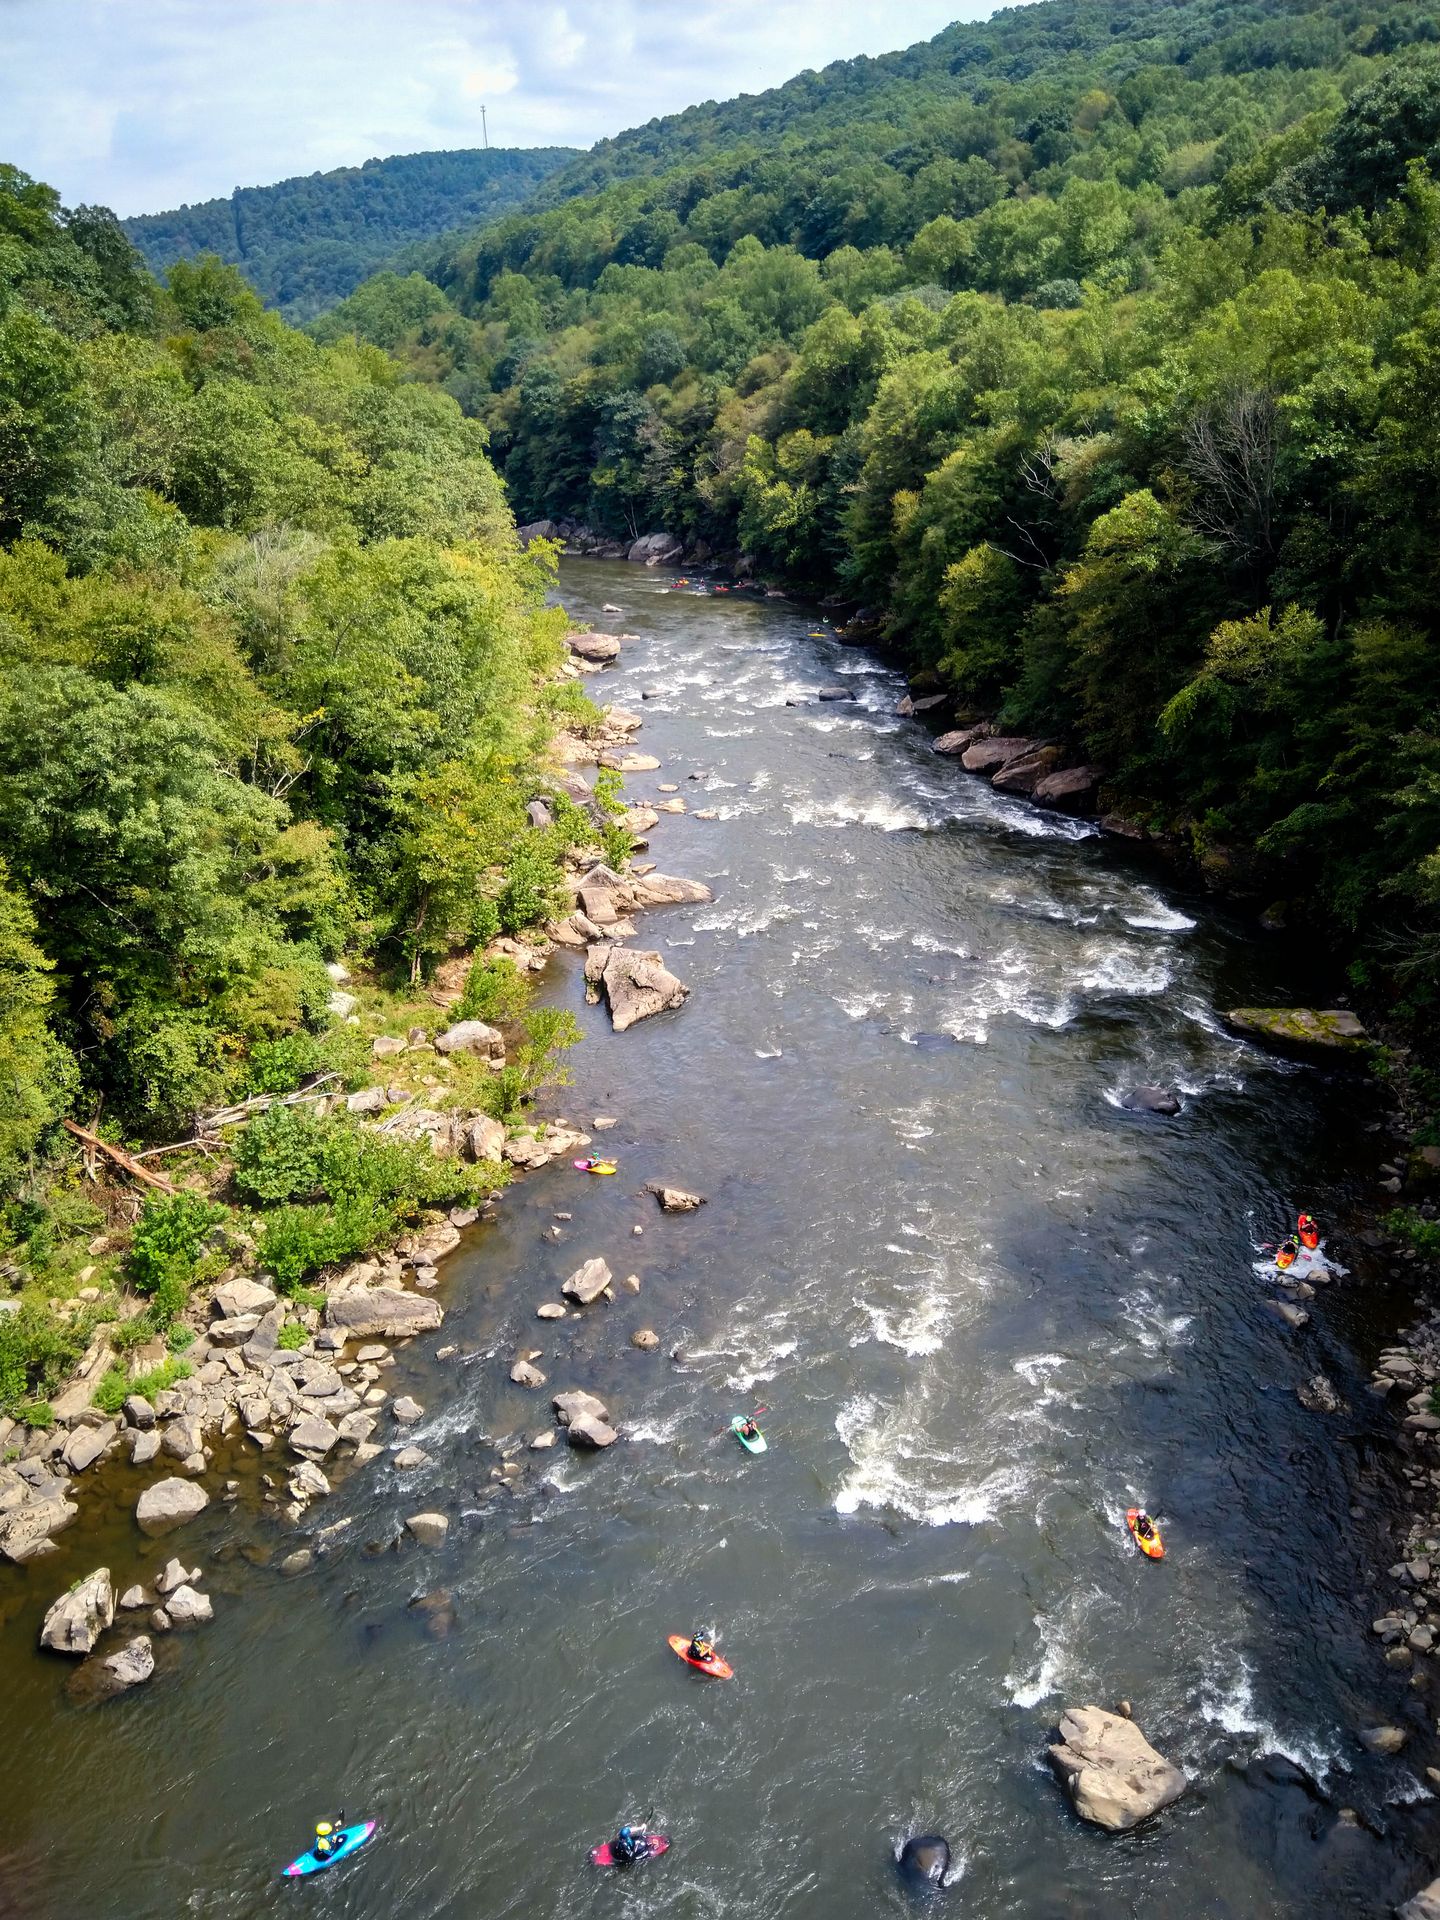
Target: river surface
x: 987, y: 1310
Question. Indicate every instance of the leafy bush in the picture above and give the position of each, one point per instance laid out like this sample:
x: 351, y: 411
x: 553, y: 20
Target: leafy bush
x: 37, y: 1414
x: 37, y: 1349
x: 292, y: 1337
x: 169, y: 1238
x: 535, y: 1063
x: 117, y: 1386
x: 298, y: 1240
x: 494, y: 990
x: 531, y: 892
x: 279, y: 1066
x: 278, y: 1155
x: 1413, y: 1227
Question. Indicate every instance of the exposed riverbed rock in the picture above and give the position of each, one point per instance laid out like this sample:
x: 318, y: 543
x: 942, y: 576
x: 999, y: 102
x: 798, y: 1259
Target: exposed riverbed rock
x: 429, y: 1529
x: 601, y: 648
x: 27, y: 1531
x: 636, y: 983
x: 1302, y: 1029
x: 1319, y: 1395
x: 1069, y: 790
x: 86, y: 1444
x: 959, y: 738
x: 239, y: 1297
x: 526, y: 1375
x: 654, y: 550
x: 78, y: 1618
x: 102, y: 1678
x: 925, y: 1860
x: 675, y: 1199
x: 998, y: 750
x: 1114, y: 1777
x: 384, y: 1313
x: 588, y: 1282
x: 187, y: 1608
x: 1024, y: 775
x: 169, y: 1504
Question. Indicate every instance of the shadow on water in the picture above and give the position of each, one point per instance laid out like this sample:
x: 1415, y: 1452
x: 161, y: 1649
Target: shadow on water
x: 986, y: 1308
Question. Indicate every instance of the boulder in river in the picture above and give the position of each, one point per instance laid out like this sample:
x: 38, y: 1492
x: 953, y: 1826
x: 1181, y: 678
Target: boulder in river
x: 187, y: 1608
x: 25, y: 1533
x: 959, y: 738
x: 668, y: 890
x: 1300, y: 1029
x: 997, y: 750
x: 169, y: 1504
x: 383, y: 1313
x: 600, y: 648
x: 654, y: 550
x: 590, y: 1433
x: 1151, y: 1100
x: 925, y: 1860
x: 1386, y: 1741
x: 1319, y: 1395
x: 429, y: 1529
x: 101, y: 1679
x: 1113, y: 1775
x: 1024, y: 775
x: 636, y: 983
x: 675, y: 1199
x: 588, y: 1282
x: 78, y: 1618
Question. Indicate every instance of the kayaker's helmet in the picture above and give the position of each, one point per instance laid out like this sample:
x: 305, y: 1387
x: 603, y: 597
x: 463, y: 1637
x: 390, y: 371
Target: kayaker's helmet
x: 323, y: 1830
x: 625, y: 1833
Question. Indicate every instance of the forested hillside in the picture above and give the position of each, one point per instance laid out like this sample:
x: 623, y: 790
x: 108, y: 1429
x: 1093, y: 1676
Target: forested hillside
x: 305, y: 243
x: 1094, y: 346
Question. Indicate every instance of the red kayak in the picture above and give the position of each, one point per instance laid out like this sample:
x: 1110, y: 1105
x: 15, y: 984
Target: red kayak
x: 604, y: 1856
x: 717, y: 1668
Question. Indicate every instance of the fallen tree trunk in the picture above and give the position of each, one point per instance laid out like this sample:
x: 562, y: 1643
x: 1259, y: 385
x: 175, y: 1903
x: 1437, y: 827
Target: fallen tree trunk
x: 125, y: 1161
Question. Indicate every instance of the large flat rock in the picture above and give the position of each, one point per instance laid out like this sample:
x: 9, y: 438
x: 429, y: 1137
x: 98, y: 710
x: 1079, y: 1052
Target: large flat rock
x: 1114, y: 1777
x: 386, y: 1313
x: 169, y: 1504
x: 1301, y: 1029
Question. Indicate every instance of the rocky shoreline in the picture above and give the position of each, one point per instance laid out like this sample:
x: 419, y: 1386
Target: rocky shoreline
x: 304, y: 1385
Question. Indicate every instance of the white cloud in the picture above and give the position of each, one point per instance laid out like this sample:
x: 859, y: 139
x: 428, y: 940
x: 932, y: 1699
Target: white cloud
x: 143, y: 104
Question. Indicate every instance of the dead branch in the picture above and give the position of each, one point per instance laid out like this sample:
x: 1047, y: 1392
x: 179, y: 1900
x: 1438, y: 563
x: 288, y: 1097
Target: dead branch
x: 127, y: 1162
x: 207, y: 1125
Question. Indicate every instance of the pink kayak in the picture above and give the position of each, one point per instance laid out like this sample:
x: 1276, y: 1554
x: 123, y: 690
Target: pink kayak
x: 605, y: 1856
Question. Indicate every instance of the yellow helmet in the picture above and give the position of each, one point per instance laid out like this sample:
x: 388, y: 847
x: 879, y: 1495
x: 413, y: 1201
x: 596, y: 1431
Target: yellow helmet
x: 323, y: 1829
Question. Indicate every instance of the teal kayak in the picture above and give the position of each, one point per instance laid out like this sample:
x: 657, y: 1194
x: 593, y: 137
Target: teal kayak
x: 347, y: 1841
x: 757, y: 1445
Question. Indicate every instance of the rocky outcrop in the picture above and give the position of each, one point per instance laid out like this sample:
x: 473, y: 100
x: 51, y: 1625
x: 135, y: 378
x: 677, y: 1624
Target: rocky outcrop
x: 238, y: 1297
x: 588, y: 1282
x: 385, y: 1313
x: 429, y: 1529
x: 87, y: 1443
x: 1300, y: 1029
x: 1024, y: 776
x: 956, y: 741
x: 636, y: 983
x: 33, y: 1514
x: 599, y: 648
x: 169, y: 1504
x: 628, y: 760
x: 1318, y: 1395
x: 78, y: 1618
x: 1069, y: 790
x: 1113, y: 1775
x: 655, y: 550
x: 667, y: 890
x: 997, y: 750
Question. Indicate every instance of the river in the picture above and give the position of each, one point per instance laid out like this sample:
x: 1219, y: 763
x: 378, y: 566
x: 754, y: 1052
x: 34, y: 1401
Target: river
x: 987, y: 1310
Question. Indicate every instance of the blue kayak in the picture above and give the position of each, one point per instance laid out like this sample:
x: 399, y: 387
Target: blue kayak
x: 350, y: 1840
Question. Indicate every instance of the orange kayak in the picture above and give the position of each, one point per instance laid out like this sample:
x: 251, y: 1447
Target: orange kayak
x: 1154, y: 1547
x: 717, y: 1668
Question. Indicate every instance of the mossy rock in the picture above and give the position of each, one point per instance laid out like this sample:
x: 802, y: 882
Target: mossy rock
x: 1301, y: 1029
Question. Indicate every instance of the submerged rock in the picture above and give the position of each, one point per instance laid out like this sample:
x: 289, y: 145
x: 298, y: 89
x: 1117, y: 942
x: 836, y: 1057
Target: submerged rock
x: 925, y: 1860
x: 101, y: 1679
x: 1318, y: 1395
x: 1151, y: 1100
x: 1114, y: 1777
x: 1424, y: 1905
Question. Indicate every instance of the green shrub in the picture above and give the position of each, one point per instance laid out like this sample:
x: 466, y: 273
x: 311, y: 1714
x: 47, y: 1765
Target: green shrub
x: 279, y: 1066
x: 278, y: 1155
x: 38, y: 1414
x: 117, y: 1386
x: 37, y: 1349
x: 168, y: 1239
x: 292, y: 1337
x: 298, y: 1240
x: 535, y: 1063
x: 1422, y: 1234
x: 494, y: 990
x: 531, y: 892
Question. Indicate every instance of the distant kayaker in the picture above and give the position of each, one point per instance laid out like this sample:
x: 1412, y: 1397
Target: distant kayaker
x: 1309, y: 1231
x: 749, y: 1429
x: 699, y: 1648
x: 630, y: 1843
x: 1286, y: 1255
x: 1144, y: 1526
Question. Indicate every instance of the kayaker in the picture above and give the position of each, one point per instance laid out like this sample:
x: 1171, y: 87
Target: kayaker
x: 1309, y: 1231
x: 630, y: 1844
x: 1144, y: 1526
x: 749, y: 1428
x: 327, y: 1838
x: 1286, y: 1255
x: 700, y: 1648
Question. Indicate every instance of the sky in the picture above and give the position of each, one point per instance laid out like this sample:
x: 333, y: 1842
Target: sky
x: 142, y: 105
